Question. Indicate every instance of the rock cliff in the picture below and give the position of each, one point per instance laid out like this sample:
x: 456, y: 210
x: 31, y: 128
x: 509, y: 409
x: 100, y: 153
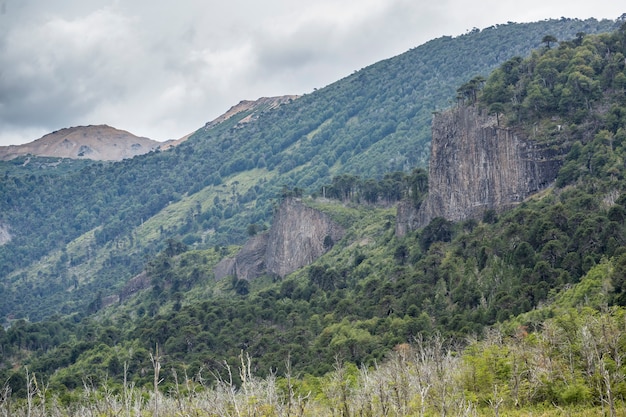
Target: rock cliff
x: 250, y: 261
x: 134, y: 285
x: 298, y: 236
x: 476, y: 165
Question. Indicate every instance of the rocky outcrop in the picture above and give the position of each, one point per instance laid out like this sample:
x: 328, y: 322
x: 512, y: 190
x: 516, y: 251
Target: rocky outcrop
x: 476, y: 165
x: 250, y: 261
x: 253, y: 107
x: 406, y: 217
x: 134, y: 285
x: 298, y: 236
x: 224, y: 268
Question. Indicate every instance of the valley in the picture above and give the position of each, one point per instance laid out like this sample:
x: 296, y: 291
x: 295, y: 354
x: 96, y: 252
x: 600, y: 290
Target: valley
x: 380, y: 246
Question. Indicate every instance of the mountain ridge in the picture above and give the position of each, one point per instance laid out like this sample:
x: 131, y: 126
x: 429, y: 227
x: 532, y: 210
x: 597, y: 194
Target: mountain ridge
x: 265, y: 103
x: 96, y: 142
x: 252, y: 107
x: 106, y: 143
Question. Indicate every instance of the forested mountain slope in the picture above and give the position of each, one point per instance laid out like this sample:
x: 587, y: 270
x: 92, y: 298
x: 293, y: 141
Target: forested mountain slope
x: 542, y: 285
x: 87, y: 232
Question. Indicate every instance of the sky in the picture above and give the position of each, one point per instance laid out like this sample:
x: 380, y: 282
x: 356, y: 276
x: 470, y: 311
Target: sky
x: 163, y: 69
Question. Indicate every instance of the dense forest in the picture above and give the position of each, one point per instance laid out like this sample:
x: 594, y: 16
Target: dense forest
x: 517, y: 312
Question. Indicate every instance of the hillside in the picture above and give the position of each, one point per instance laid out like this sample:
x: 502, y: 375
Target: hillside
x: 91, y: 230
x: 519, y: 311
x: 252, y: 109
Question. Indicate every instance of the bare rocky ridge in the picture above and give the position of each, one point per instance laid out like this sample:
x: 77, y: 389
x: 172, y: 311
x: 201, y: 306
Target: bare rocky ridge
x: 298, y: 236
x: 476, y: 166
x: 250, y: 261
x: 264, y: 103
x: 134, y: 285
x: 406, y: 218
x: 100, y: 143
x: 252, y: 106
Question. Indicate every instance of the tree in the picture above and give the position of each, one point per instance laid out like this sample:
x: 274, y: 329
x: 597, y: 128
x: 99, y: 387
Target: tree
x: 524, y: 255
x: 371, y: 190
x: 241, y: 286
x: 469, y: 90
x: 549, y: 39
x: 174, y: 247
x: 252, y: 229
x: 418, y: 186
x: 401, y: 253
x: 579, y: 38
x: 323, y: 277
x: 497, y: 109
x: 438, y: 230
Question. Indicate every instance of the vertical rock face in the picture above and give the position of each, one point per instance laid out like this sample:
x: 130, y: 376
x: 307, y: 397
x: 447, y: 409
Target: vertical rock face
x: 250, y: 261
x: 406, y: 218
x: 298, y: 236
x: 476, y: 165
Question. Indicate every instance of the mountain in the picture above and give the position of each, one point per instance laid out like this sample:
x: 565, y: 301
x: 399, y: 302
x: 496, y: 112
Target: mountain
x: 252, y: 108
x: 518, y: 306
x: 100, y: 143
x: 91, y: 229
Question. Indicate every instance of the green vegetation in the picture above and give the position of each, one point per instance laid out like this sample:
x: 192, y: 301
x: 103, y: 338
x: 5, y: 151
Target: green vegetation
x: 517, y: 313
x: 371, y: 123
x: 573, y: 363
x: 390, y: 189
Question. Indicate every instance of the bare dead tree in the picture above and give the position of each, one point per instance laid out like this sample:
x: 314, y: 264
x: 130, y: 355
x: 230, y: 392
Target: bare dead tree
x: 30, y: 392
x: 5, y: 399
x: 127, y: 391
x: 296, y: 405
x: 156, y: 365
x: 336, y: 390
x: 176, y: 392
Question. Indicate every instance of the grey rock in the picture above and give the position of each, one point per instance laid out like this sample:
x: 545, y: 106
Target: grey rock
x: 476, y: 165
x: 224, y: 268
x: 298, y: 236
x: 250, y: 261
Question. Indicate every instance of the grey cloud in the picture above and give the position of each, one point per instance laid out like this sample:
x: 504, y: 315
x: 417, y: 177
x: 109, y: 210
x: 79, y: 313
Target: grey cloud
x: 63, y: 67
x: 162, y: 70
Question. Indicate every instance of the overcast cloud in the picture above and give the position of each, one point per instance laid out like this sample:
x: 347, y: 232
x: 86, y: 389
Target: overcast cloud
x: 163, y: 69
